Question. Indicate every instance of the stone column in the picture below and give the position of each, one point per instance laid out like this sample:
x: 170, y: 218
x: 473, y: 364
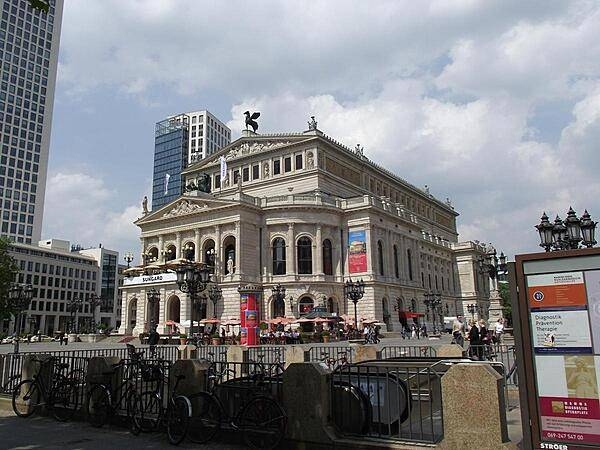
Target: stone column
x: 143, y: 243
x: 371, y: 248
x: 197, y: 249
x: 238, y: 253
x: 290, y: 255
x: 319, y: 252
x: 161, y: 244
x: 218, y: 260
x: 178, y: 252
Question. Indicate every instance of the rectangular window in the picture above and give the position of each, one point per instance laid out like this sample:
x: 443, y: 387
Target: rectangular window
x: 236, y: 176
x: 298, y: 162
x: 255, y: 172
x: 287, y: 164
x: 217, y: 181
x: 246, y: 174
x: 276, y: 167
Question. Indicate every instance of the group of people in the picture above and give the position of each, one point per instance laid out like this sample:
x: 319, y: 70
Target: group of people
x: 287, y: 336
x: 414, y: 331
x: 479, y: 336
x: 371, y: 334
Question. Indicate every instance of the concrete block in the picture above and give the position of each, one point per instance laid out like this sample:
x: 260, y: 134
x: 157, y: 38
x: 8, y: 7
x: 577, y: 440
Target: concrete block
x: 364, y: 353
x: 449, y: 351
x: 293, y: 354
x: 194, y: 371
x: 473, y: 399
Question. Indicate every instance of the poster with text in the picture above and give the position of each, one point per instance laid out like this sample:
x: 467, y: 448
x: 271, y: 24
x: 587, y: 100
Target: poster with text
x: 568, y: 397
x: 357, y: 251
x: 556, y: 290
x: 561, y: 332
x: 592, y: 285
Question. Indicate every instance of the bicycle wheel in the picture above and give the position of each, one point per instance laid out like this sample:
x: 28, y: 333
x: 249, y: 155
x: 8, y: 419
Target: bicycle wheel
x: 134, y: 412
x: 26, y: 398
x: 65, y: 399
x: 207, y: 415
x: 98, y: 405
x: 151, y: 411
x: 178, y: 419
x: 263, y: 423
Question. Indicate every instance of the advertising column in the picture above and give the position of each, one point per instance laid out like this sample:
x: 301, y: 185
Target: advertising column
x: 249, y: 313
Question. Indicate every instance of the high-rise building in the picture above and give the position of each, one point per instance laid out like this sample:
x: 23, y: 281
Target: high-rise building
x: 29, y: 40
x: 179, y: 141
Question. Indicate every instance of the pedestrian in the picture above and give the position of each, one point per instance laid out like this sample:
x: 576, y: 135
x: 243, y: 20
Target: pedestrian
x: 499, y: 330
x: 413, y: 334
x: 424, y: 330
x: 458, y: 329
x: 153, y: 338
x: 475, y: 342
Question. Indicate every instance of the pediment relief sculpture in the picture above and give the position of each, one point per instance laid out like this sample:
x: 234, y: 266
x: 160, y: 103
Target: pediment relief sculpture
x: 185, y: 207
x: 247, y: 148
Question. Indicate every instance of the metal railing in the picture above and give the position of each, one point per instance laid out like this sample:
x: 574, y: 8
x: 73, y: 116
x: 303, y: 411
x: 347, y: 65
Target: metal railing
x: 214, y: 353
x: 497, y: 353
x: 392, y: 400
x: 331, y: 352
x: 409, y: 351
x: 269, y: 354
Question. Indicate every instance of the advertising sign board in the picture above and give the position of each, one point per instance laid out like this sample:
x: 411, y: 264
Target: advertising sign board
x: 558, y: 304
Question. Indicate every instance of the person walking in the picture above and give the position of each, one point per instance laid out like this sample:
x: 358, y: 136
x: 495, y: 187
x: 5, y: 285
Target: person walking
x: 475, y: 341
x: 458, y: 330
x: 499, y: 330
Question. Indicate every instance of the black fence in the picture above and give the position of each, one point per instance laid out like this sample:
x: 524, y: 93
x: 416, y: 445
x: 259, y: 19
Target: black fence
x: 213, y: 353
x: 331, y: 355
x: 393, y: 400
x: 497, y: 353
x: 269, y: 354
x: 407, y: 351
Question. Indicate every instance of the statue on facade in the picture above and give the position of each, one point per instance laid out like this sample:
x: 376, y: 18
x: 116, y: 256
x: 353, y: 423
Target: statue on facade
x: 266, y: 170
x: 310, y: 161
x: 250, y: 120
x: 145, y: 205
x: 230, y: 266
x: 359, y: 150
x: 312, y: 124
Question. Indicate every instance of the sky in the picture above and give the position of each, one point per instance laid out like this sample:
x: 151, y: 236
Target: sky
x: 493, y: 104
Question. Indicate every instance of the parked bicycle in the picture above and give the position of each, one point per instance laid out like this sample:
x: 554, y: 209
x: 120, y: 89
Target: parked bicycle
x: 60, y: 393
x: 243, y: 404
x: 263, y: 369
x: 333, y: 363
x: 149, y: 412
x: 218, y: 371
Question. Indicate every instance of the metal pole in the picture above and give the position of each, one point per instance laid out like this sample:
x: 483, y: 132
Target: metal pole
x: 355, y: 315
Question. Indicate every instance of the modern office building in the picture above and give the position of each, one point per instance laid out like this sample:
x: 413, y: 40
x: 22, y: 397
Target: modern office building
x: 178, y: 142
x: 305, y: 212
x: 57, y: 276
x: 29, y: 41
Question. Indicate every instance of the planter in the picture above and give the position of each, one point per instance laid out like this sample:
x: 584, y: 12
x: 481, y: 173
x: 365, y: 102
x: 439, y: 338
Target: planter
x: 216, y: 341
x: 326, y: 339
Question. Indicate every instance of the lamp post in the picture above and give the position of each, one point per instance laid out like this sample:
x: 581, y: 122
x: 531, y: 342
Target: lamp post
x: 153, y: 297
x: 432, y: 300
x: 19, y: 297
x: 192, y: 279
x: 567, y: 234
x: 472, y: 308
x: 94, y: 301
x: 215, y: 294
x: 147, y: 258
x: 128, y: 258
x: 188, y: 251
x: 354, y: 291
x: 278, y: 297
x: 73, y: 306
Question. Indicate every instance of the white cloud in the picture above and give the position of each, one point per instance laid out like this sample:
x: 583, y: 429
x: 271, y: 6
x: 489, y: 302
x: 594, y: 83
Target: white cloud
x: 81, y: 209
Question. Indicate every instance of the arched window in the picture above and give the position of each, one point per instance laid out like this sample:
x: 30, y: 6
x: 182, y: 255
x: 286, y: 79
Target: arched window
x: 304, y: 255
x: 229, y: 255
x: 279, y: 257
x: 396, y: 269
x: 327, y: 258
x: 209, y: 254
x: 380, y: 256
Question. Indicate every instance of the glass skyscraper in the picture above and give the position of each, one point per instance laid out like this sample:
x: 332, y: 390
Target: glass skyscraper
x: 170, y: 158
x: 29, y: 40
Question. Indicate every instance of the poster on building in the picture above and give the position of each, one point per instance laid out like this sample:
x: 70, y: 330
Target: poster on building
x: 592, y: 286
x: 357, y: 251
x: 561, y: 331
x: 568, y: 397
x: 556, y: 290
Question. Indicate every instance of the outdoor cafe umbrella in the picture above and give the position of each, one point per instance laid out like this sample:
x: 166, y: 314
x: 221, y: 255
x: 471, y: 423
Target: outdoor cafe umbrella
x: 231, y: 322
x: 210, y: 321
x: 303, y: 320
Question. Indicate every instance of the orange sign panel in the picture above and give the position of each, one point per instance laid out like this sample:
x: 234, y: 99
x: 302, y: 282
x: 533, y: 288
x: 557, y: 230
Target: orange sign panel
x: 556, y: 290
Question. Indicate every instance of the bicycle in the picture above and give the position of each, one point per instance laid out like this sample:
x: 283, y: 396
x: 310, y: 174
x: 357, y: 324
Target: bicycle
x: 148, y: 411
x: 512, y: 372
x: 259, y: 417
x: 11, y: 384
x: 60, y: 396
x: 102, y: 403
x: 332, y: 363
x: 217, y: 370
x: 274, y: 369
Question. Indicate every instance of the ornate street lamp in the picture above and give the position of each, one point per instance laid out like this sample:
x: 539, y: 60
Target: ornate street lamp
x: 215, y: 294
x: 128, y: 258
x: 567, y: 234
x: 354, y: 291
x: 472, y: 308
x: 192, y: 279
x: 279, y: 296
x: 73, y: 306
x: 491, y: 265
x: 19, y: 298
x: 432, y: 301
x: 188, y: 251
x: 95, y: 301
x: 148, y: 258
x: 153, y: 299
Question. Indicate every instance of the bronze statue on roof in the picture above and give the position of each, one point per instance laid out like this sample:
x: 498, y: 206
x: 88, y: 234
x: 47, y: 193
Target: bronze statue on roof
x: 250, y: 120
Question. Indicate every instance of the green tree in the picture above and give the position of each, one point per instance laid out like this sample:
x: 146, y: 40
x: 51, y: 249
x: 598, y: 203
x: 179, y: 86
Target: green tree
x: 504, y: 290
x: 8, y: 271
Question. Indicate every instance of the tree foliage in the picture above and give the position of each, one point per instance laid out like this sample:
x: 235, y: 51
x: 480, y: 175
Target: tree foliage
x: 8, y: 271
x: 504, y: 290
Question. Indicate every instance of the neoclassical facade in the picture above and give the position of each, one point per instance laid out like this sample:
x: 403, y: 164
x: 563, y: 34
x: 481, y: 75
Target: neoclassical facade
x: 303, y: 211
